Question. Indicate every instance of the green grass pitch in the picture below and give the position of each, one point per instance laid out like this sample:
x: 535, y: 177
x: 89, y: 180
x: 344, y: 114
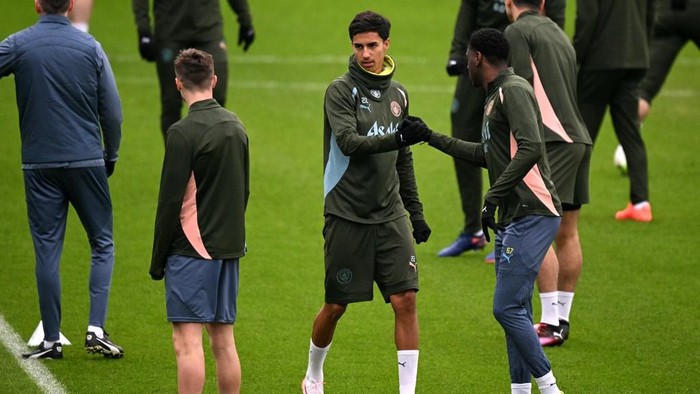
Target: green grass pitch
x: 635, y: 319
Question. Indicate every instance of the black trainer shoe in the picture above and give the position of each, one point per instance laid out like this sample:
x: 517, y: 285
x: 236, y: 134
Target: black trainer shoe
x: 102, y: 346
x: 564, y: 329
x: 54, y: 352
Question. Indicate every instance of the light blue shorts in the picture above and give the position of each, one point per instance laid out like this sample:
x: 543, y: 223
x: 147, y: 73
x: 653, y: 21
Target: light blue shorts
x: 201, y: 291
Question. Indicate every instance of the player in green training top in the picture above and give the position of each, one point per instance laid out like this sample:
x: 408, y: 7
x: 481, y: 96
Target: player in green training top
x: 543, y: 55
x: 368, y: 187
x: 467, y: 110
x: 199, y: 234
x: 513, y: 151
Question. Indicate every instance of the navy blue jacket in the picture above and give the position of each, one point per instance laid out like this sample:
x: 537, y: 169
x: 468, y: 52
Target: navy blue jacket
x: 66, y: 95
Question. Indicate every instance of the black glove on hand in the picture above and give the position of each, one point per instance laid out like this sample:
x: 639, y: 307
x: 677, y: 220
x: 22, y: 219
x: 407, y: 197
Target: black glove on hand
x: 412, y: 130
x: 421, y: 231
x: 456, y: 67
x: 147, y: 47
x: 488, y: 219
x: 109, y: 167
x: 246, y: 36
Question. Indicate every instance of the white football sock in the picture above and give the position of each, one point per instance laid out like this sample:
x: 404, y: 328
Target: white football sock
x: 564, y: 299
x: 99, y: 332
x: 550, y: 313
x: 641, y: 205
x: 520, y: 388
x: 547, y: 384
x: 48, y: 344
x: 317, y: 355
x: 408, y: 370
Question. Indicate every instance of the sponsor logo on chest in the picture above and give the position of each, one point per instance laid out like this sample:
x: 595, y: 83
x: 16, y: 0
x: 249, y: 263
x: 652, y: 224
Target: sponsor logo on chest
x: 377, y: 130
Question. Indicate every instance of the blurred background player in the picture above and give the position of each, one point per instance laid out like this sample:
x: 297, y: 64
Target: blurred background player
x: 80, y: 14
x: 612, y: 49
x: 180, y: 24
x: 676, y: 24
x: 68, y: 109
x: 200, y: 226
x: 542, y: 54
x: 468, y: 107
x: 368, y: 188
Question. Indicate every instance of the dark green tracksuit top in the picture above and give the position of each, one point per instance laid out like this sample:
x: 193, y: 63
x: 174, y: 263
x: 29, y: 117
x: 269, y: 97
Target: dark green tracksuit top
x: 476, y: 14
x: 366, y: 179
x: 613, y: 34
x: 204, y: 188
x: 512, y: 149
x: 541, y: 53
x: 187, y: 20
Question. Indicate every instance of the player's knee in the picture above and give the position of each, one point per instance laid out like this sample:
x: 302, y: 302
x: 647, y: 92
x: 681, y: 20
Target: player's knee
x: 404, y: 302
x: 335, y: 311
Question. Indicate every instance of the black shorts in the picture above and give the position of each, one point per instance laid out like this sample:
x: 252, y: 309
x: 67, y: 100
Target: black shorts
x: 357, y: 254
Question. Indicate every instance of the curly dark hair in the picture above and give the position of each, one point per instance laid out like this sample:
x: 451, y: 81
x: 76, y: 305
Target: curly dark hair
x: 492, y: 44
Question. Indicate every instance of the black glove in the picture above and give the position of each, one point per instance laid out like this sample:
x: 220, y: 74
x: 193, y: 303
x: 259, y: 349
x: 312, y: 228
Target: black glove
x: 109, y: 167
x: 412, y: 130
x: 488, y: 219
x: 246, y: 36
x: 147, y: 47
x: 456, y: 67
x: 421, y: 231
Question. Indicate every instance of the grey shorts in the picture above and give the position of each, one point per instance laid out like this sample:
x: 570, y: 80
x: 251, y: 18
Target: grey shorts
x: 569, y: 165
x: 201, y: 291
x: 357, y: 255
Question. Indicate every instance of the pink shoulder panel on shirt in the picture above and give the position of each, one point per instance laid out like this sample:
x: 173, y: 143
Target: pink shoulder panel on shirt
x: 549, y: 118
x: 534, y: 181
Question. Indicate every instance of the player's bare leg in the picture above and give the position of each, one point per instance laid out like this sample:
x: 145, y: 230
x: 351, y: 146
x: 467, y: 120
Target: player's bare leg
x: 321, y: 337
x: 325, y: 323
x: 187, y: 341
x: 228, y: 365
x: 406, y: 320
x: 547, y: 286
x: 569, y: 252
x: 406, y: 338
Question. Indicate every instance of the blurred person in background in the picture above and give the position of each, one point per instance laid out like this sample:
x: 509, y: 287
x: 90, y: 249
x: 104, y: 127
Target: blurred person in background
x: 180, y: 24
x: 612, y: 50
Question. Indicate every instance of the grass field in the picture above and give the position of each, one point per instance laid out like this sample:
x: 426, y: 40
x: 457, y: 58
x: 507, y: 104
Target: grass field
x: 635, y: 319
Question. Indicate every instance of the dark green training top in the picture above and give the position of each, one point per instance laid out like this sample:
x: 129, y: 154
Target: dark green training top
x: 541, y: 53
x: 366, y: 180
x: 512, y: 149
x: 476, y: 14
x: 204, y: 188
x: 188, y: 20
x: 613, y: 34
